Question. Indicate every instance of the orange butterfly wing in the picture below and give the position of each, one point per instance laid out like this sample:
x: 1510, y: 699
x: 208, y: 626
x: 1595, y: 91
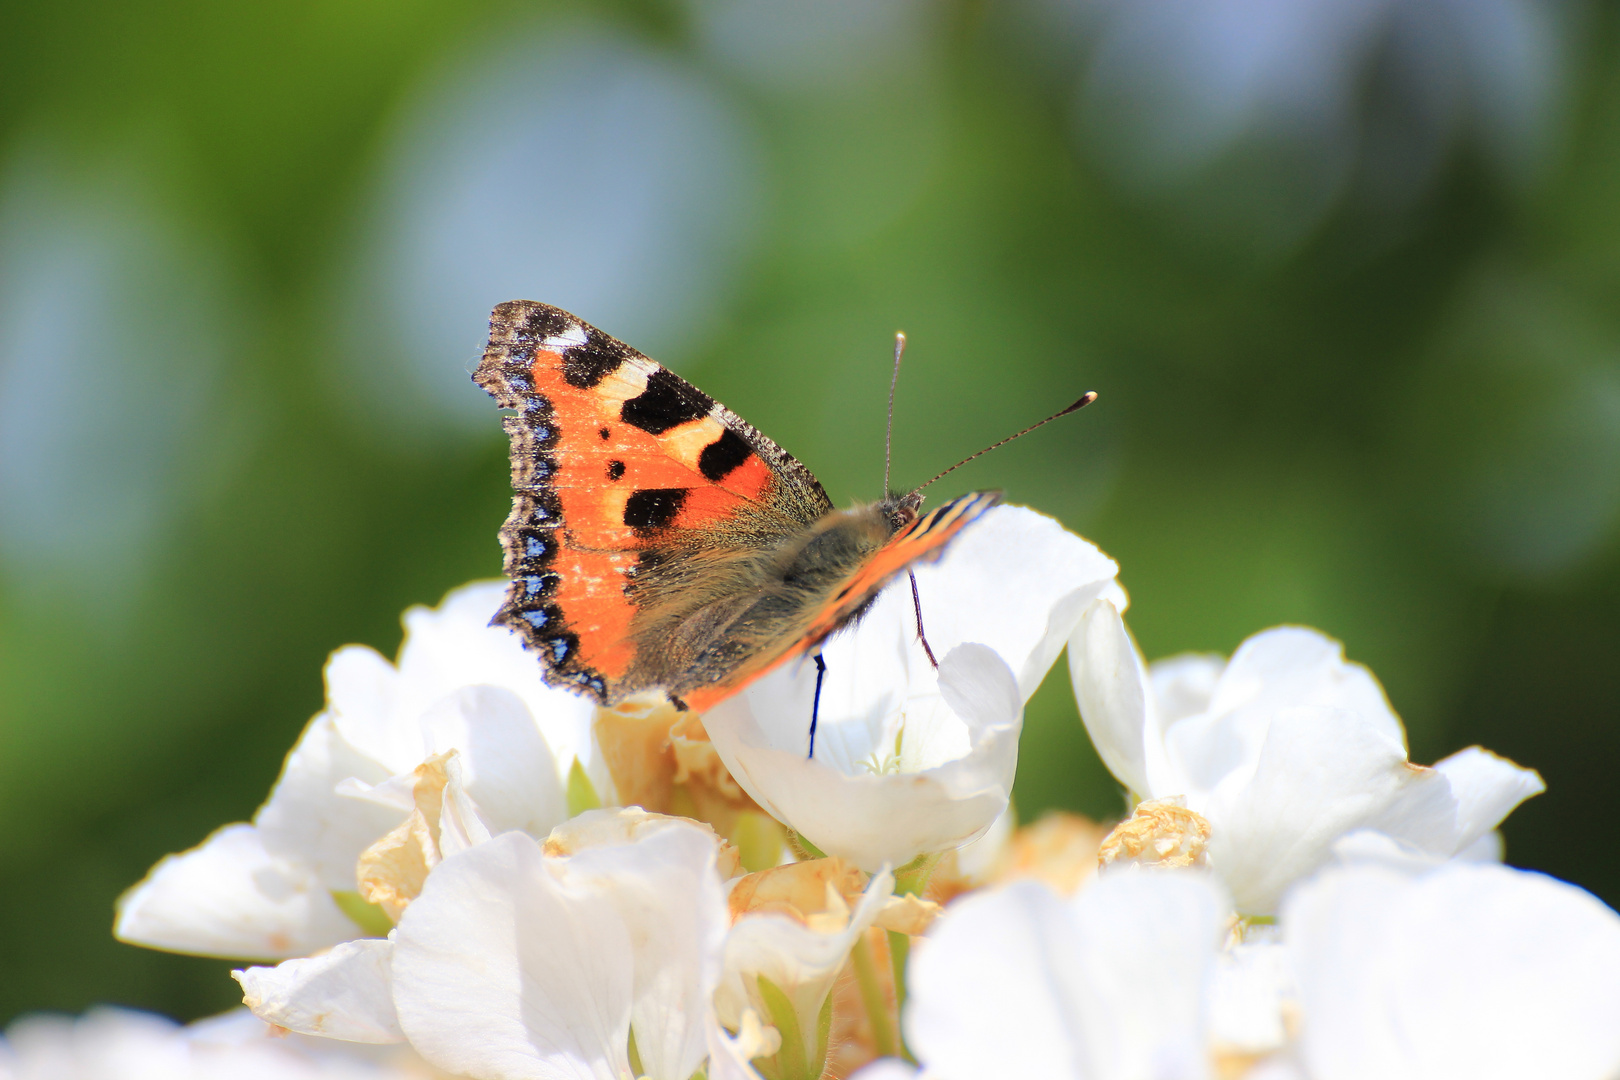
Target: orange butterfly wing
x: 610, y: 451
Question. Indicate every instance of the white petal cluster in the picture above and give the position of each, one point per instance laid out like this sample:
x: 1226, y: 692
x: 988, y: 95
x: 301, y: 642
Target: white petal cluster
x: 461, y: 690
x: 1449, y: 971
x: 1284, y: 748
x: 449, y: 886
x: 121, y: 1044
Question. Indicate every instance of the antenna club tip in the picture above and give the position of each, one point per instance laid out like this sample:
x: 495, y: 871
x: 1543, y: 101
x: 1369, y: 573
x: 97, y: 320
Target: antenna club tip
x: 1085, y: 399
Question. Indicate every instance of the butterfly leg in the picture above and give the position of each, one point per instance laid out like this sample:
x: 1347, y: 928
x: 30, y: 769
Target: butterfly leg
x: 916, y: 603
x: 815, y: 707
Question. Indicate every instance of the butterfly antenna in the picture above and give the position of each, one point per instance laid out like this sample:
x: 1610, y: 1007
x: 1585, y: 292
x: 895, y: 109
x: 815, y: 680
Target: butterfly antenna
x: 888, y: 432
x: 1085, y: 399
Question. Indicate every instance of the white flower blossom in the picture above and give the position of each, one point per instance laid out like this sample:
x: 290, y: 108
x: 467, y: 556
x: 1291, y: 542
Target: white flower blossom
x: 1456, y: 971
x: 793, y: 927
x: 461, y: 688
x: 1283, y: 749
x: 519, y: 960
x: 909, y: 760
x: 122, y: 1044
x: 1107, y: 985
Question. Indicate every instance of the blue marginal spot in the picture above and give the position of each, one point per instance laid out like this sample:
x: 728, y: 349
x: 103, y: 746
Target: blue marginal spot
x: 559, y: 648
x: 520, y: 383
x: 534, y: 547
x: 533, y: 585
x: 536, y: 619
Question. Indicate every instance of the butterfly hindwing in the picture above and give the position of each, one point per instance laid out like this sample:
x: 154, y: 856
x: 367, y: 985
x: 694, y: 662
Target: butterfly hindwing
x: 923, y: 540
x: 623, y: 474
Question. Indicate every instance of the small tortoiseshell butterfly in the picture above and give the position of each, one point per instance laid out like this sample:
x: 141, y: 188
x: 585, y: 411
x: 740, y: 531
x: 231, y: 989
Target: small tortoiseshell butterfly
x: 657, y: 541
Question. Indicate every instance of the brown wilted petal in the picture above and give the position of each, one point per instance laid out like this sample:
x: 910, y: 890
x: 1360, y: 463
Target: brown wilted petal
x: 801, y: 890
x: 661, y: 760
x: 624, y: 825
x: 390, y: 872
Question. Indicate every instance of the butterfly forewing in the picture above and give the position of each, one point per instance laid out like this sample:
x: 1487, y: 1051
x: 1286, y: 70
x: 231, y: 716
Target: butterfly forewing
x: 619, y: 469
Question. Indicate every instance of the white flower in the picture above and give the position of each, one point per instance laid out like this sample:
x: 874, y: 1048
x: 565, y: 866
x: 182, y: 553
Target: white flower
x: 794, y: 927
x: 461, y: 688
x: 909, y: 760
x: 121, y: 1044
x: 1283, y: 749
x: 1107, y: 985
x: 1464, y: 971
x: 519, y: 960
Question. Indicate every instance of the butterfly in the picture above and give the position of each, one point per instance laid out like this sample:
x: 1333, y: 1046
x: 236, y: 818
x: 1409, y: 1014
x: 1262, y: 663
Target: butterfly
x: 657, y: 541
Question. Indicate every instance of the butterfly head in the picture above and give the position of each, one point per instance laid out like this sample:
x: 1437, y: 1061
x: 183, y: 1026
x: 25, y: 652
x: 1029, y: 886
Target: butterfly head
x: 901, y: 510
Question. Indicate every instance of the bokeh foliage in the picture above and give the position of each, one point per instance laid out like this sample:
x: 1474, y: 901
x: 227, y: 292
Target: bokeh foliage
x: 1399, y: 429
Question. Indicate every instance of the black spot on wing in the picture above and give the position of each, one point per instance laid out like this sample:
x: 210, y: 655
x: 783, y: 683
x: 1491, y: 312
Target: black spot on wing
x: 586, y: 365
x: 652, y: 509
x: 723, y: 455
x: 606, y: 433
x: 615, y: 470
x: 541, y: 323
x: 666, y: 403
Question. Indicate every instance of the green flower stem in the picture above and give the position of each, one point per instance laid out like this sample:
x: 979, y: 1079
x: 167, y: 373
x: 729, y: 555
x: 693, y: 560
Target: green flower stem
x: 792, y: 1061
x: 872, y: 996
x: 803, y: 849
x: 899, y: 952
x: 911, y: 879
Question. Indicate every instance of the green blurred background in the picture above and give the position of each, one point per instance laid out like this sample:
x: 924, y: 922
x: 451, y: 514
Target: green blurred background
x: 1345, y: 273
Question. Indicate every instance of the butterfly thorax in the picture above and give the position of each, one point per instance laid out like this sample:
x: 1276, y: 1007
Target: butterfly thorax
x: 711, y: 615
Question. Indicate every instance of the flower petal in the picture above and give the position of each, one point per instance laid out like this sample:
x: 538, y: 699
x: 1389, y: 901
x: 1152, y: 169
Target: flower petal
x: 505, y: 971
x: 377, y: 706
x: 668, y: 893
x: 506, y: 767
x: 454, y: 645
x: 1017, y: 581
x: 229, y: 897
x: 1184, y: 684
x: 1111, y: 687
x: 1018, y: 982
x: 1487, y: 789
x: 1146, y: 946
x: 1250, y: 997
x: 1321, y: 773
x: 988, y: 987
x: 343, y: 994
x: 307, y: 821
x: 1296, y: 666
x: 801, y: 958
x: 868, y: 817
x: 731, y: 1058
x: 1471, y: 971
